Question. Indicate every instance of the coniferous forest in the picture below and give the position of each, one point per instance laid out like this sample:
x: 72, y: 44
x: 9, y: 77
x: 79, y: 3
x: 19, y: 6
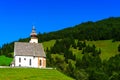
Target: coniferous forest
x: 90, y: 66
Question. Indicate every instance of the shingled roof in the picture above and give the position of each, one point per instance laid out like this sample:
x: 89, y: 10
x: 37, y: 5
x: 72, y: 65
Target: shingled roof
x: 29, y: 49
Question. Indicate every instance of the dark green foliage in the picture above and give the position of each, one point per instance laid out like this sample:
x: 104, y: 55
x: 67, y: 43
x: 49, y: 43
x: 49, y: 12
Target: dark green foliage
x: 100, y: 30
x: 94, y: 75
x: 89, y: 49
x: 119, y: 48
x: 70, y: 68
x: 24, y: 40
x: 83, y: 51
x: 62, y: 46
x: 7, y: 49
x: 115, y: 76
x: 74, y: 45
x: 112, y: 67
x: 80, y: 74
x: 79, y: 45
x: 84, y: 44
x: 78, y: 63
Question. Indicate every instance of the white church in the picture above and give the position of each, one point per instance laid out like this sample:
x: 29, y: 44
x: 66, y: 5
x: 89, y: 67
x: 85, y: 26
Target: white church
x: 29, y: 54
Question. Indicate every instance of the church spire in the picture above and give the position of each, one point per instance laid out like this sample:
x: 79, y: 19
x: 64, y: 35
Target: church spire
x: 33, y: 35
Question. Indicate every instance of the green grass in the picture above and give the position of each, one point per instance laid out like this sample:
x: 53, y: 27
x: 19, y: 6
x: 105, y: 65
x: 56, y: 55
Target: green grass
x: 31, y: 74
x: 48, y: 44
x: 5, y: 61
x: 77, y: 53
x: 108, y: 48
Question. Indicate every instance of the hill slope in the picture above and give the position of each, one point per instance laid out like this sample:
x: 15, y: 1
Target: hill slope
x: 108, y: 48
x: 5, y: 61
x: 31, y: 74
x: 105, y: 29
x: 100, y: 30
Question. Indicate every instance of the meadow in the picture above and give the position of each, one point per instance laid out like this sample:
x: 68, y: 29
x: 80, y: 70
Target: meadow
x: 5, y: 61
x: 31, y: 74
x: 108, y: 48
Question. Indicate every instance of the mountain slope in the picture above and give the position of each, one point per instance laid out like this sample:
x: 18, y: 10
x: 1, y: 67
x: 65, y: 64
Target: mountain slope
x: 100, y: 30
x: 105, y: 29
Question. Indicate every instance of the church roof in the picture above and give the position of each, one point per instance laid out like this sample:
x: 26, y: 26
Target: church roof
x: 29, y: 49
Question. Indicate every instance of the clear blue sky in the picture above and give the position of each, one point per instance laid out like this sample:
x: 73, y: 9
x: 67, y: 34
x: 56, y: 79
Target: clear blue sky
x: 18, y: 16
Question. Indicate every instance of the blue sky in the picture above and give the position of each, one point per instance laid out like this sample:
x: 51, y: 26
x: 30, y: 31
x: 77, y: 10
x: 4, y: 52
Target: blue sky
x: 18, y: 16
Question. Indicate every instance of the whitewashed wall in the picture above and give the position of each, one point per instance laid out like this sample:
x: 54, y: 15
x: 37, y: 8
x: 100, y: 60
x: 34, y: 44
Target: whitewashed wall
x: 25, y: 63
x: 34, y: 40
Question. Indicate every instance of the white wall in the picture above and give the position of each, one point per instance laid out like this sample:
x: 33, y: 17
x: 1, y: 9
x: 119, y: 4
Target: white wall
x: 34, y: 41
x: 25, y: 63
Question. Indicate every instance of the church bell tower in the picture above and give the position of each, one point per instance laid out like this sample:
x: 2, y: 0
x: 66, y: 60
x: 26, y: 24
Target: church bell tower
x: 33, y: 35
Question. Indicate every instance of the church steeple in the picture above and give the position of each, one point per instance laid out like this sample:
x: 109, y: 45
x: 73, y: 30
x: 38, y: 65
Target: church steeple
x: 33, y: 35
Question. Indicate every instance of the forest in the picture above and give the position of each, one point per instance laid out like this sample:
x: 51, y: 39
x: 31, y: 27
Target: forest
x: 90, y: 66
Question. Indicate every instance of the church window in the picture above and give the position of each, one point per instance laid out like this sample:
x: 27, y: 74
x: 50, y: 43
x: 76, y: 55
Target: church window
x: 30, y: 62
x: 40, y: 62
x: 19, y: 60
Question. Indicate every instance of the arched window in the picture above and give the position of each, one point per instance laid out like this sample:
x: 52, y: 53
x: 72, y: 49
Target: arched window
x: 40, y: 62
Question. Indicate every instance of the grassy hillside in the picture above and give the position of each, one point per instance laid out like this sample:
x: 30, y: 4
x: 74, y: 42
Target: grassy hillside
x: 48, y: 44
x: 31, y: 74
x: 5, y: 61
x: 108, y: 48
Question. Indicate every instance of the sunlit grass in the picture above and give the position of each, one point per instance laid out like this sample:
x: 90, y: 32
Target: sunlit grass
x: 31, y: 74
x: 108, y: 48
x: 5, y: 61
x: 48, y: 44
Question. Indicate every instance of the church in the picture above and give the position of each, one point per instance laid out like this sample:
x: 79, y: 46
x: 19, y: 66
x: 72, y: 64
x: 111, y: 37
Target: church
x: 30, y: 54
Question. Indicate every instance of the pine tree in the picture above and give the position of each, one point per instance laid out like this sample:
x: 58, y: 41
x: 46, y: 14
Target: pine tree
x: 79, y: 45
x: 119, y: 48
x: 83, y: 51
x: 84, y: 44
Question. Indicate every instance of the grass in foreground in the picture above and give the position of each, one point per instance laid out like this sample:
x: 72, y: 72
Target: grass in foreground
x: 31, y: 74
